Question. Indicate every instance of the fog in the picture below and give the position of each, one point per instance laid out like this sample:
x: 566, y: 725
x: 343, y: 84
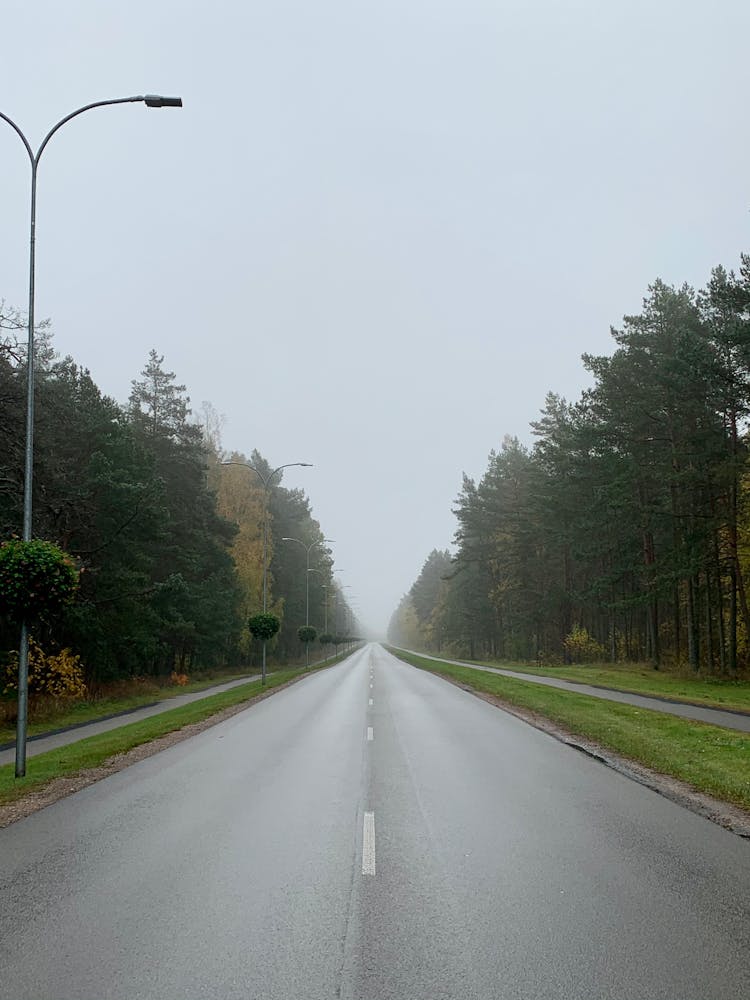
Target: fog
x: 377, y: 233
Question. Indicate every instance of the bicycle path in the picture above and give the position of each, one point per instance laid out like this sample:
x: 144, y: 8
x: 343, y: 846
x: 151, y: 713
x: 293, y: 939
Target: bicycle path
x: 51, y: 741
x: 729, y: 718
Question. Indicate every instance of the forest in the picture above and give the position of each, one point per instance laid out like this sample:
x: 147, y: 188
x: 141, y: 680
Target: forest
x: 166, y: 532
x: 622, y: 532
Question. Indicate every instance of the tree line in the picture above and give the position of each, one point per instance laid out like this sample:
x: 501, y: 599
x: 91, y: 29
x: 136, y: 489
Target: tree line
x: 168, y: 537
x: 623, y: 531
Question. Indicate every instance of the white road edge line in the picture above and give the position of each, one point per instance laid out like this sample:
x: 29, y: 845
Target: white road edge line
x: 368, y: 844
x: 370, y: 734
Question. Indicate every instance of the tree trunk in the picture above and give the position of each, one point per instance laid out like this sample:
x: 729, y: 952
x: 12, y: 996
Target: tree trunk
x: 710, y: 658
x: 732, y: 652
x: 692, y: 626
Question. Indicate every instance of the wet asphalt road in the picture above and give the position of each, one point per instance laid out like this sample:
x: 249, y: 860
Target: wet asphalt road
x: 240, y: 863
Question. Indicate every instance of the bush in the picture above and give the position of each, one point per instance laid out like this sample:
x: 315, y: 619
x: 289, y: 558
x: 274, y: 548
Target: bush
x: 306, y: 633
x: 325, y: 639
x: 57, y: 674
x: 263, y: 626
x: 36, y: 578
x: 582, y: 647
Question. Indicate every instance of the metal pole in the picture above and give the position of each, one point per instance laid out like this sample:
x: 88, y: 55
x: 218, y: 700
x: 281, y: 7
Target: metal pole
x: 23, y: 651
x: 325, y: 616
x: 307, y: 604
x: 152, y: 100
x: 265, y: 549
x: 307, y: 586
x: 265, y: 570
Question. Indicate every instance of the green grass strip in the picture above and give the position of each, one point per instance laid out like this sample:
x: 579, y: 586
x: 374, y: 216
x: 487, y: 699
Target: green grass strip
x: 714, y: 692
x: 94, y: 750
x: 712, y: 759
x: 91, y: 711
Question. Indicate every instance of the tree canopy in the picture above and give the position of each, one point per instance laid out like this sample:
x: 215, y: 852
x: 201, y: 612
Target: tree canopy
x: 626, y: 526
x: 169, y: 539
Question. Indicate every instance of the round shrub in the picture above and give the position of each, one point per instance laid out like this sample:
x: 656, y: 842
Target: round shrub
x: 325, y: 639
x: 36, y: 578
x: 263, y: 626
x: 306, y: 633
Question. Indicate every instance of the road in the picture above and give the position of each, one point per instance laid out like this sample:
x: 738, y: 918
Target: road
x: 422, y: 847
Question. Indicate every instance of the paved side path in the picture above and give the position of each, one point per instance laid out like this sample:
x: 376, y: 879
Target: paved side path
x: 54, y: 740
x: 702, y: 713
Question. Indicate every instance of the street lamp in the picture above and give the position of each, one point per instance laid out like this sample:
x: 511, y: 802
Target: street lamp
x: 325, y: 609
x: 324, y: 586
x: 308, y: 549
x: 151, y: 101
x: 267, y: 484
x: 347, y: 610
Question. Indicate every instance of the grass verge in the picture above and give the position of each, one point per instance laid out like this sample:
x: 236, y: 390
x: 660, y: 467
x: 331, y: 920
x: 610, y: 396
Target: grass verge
x: 90, y: 710
x: 711, y: 759
x: 95, y: 750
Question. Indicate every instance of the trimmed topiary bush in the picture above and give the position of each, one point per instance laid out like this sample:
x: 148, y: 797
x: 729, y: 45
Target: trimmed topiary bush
x: 36, y: 578
x: 306, y: 633
x: 263, y: 626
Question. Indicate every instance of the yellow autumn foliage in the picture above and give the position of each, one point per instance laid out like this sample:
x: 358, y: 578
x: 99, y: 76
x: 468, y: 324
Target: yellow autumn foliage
x: 57, y: 674
x: 240, y: 498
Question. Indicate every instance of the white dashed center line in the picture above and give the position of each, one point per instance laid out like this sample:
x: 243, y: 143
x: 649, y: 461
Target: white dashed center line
x: 371, y: 701
x: 370, y: 734
x: 368, y: 844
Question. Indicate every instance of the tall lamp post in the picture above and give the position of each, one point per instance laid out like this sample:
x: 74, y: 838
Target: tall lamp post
x: 347, y: 610
x: 308, y: 549
x: 151, y: 101
x: 267, y: 482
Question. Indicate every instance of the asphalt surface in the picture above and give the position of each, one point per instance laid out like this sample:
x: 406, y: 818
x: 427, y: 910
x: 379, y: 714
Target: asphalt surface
x: 426, y: 846
x: 63, y: 737
x: 701, y: 713
x: 54, y: 740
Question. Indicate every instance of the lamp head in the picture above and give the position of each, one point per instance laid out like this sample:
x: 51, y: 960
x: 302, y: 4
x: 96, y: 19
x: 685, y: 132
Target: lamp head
x: 157, y: 101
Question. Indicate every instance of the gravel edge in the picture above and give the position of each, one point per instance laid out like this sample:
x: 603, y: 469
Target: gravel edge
x: 724, y: 814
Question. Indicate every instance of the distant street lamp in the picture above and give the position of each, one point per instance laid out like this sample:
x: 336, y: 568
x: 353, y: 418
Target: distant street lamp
x: 347, y: 610
x: 151, y: 101
x: 267, y: 484
x: 325, y: 610
x: 308, y: 549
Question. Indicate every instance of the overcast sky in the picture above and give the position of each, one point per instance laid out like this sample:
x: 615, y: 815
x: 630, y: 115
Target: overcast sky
x: 378, y: 232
